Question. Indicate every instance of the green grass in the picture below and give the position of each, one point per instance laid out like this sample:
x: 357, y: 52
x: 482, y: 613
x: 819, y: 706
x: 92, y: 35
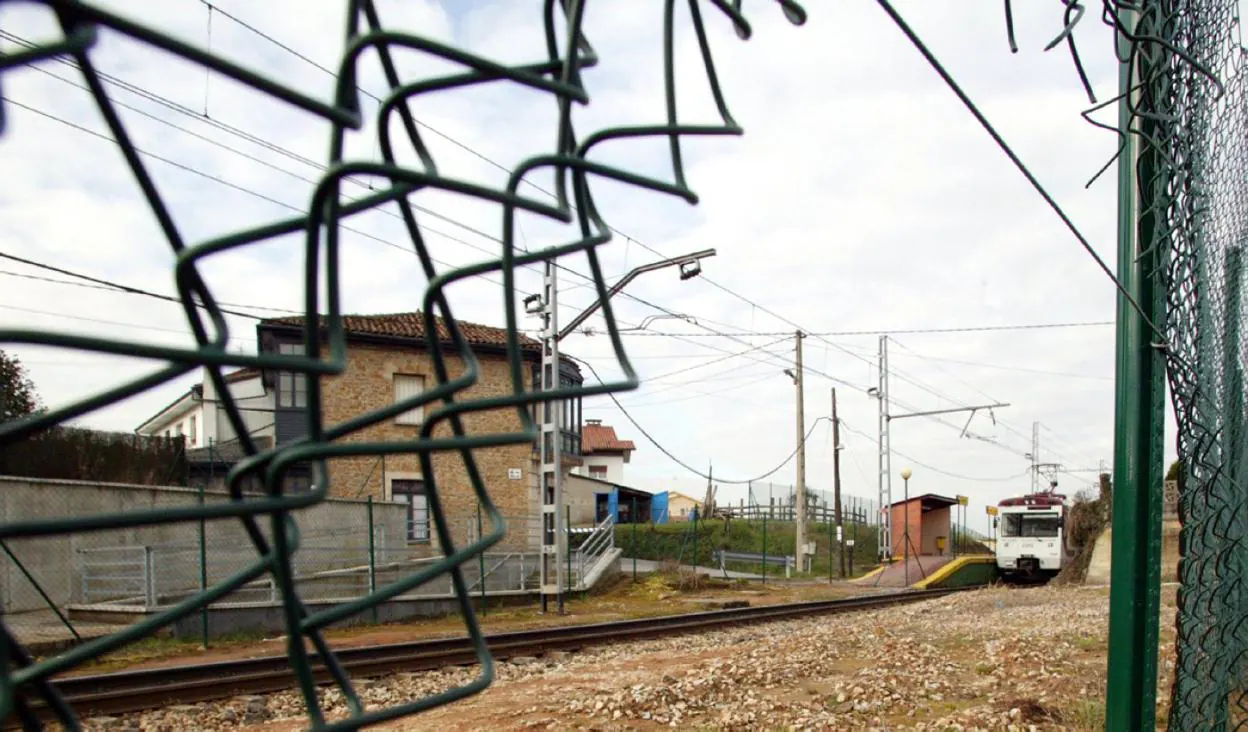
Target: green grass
x: 675, y: 541
x: 1086, y: 714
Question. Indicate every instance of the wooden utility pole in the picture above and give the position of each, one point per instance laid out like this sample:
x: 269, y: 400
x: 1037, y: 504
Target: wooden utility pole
x: 836, y: 482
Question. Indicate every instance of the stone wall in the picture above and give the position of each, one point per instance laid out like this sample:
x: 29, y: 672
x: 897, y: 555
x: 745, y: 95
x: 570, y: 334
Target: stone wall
x: 1170, y: 499
x: 368, y: 384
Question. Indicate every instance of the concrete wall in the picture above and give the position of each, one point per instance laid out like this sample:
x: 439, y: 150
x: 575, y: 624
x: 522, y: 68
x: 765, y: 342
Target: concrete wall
x: 677, y: 502
x: 936, y: 523
x: 333, y: 533
x: 579, y: 494
x: 924, y: 528
x: 613, y: 463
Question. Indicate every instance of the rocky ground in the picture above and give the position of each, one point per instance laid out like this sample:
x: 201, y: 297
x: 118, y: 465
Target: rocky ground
x: 1017, y: 659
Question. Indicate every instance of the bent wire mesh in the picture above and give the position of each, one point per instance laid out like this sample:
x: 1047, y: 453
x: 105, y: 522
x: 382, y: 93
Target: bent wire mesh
x: 24, y: 681
x: 1188, y: 108
x: 1192, y: 117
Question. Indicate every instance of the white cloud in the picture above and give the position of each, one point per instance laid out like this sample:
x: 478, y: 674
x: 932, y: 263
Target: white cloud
x: 862, y: 196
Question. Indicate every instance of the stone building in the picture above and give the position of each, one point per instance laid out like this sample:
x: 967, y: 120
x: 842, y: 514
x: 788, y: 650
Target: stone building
x: 387, y: 360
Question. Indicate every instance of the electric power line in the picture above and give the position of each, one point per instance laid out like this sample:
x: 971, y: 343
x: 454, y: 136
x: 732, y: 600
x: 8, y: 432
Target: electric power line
x: 685, y: 465
x: 901, y: 331
x: 935, y: 469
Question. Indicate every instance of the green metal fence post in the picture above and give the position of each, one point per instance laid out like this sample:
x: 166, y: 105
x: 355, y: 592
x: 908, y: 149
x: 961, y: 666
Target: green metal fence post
x: 765, y: 547
x: 831, y: 530
x: 1131, y: 688
x: 481, y: 562
x: 633, y: 541
x: 567, y: 528
x: 203, y: 559
x: 694, y: 562
x: 372, y: 557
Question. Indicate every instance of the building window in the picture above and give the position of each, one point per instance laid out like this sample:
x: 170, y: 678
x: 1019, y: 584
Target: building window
x: 193, y: 430
x: 412, y: 493
x: 407, y: 386
x: 292, y: 388
x: 598, y: 471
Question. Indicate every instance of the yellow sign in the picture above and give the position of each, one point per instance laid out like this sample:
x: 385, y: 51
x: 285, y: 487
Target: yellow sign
x: 963, y: 500
x: 992, y: 510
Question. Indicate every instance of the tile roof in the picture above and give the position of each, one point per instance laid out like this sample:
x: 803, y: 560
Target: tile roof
x: 412, y: 325
x: 602, y: 438
x: 242, y: 374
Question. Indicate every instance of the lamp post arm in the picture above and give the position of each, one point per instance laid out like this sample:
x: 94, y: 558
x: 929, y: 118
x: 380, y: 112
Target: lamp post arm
x: 632, y: 275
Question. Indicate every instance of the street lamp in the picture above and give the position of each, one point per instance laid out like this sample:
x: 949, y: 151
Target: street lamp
x: 905, y: 509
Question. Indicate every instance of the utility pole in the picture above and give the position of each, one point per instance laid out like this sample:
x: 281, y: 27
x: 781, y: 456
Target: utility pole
x: 550, y: 471
x: 836, y: 482
x: 554, y: 532
x: 800, y: 516
x: 884, y: 537
x: 880, y: 392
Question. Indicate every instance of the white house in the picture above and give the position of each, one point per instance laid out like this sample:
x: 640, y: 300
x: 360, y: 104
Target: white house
x: 198, y: 415
x: 603, y: 454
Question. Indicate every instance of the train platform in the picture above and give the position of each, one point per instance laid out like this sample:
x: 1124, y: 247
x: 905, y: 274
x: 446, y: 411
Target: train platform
x: 895, y: 574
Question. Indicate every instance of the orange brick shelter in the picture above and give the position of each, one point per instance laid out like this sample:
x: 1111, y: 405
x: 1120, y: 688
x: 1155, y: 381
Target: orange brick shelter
x: 929, y: 518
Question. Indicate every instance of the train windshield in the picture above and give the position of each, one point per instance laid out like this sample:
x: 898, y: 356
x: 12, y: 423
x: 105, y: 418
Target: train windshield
x: 1029, y: 525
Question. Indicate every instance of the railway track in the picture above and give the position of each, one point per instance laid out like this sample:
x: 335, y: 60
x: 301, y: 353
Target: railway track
x: 126, y: 692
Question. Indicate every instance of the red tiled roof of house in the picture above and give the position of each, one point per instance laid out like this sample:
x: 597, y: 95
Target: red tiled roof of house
x: 412, y: 325
x: 597, y: 437
x: 242, y: 374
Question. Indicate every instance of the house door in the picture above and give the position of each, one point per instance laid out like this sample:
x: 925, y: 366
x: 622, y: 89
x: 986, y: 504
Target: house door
x: 412, y: 493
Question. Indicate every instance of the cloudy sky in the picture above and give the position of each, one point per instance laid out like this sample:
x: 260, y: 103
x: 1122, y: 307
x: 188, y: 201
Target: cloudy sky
x: 863, y: 199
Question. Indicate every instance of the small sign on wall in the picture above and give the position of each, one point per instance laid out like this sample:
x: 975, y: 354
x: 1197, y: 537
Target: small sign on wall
x: 514, y: 474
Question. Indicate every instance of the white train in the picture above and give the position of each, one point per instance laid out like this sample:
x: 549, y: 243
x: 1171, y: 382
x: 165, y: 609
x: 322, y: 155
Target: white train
x: 1032, y: 537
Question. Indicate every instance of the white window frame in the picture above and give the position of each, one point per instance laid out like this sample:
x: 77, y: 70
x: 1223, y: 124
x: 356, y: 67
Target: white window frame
x: 292, y: 387
x: 416, y: 415
x: 418, y: 524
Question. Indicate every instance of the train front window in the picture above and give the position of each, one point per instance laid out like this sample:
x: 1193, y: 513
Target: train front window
x: 1029, y: 525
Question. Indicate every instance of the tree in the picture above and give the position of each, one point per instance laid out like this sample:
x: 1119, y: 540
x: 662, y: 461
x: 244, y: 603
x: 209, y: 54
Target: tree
x: 1177, y: 473
x: 18, y: 396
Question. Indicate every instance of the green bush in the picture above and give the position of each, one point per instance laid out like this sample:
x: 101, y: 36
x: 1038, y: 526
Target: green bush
x: 676, y: 541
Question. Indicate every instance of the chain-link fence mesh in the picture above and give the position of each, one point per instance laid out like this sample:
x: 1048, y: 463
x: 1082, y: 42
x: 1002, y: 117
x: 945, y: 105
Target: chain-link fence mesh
x: 1192, y: 121
x: 278, y: 556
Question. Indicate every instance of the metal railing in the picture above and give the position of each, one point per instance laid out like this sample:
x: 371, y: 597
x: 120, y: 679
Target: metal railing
x: 116, y: 574
x: 586, y: 557
x: 724, y: 557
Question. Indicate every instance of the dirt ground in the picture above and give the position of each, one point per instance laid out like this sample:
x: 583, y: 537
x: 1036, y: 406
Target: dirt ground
x: 997, y: 658
x: 621, y: 600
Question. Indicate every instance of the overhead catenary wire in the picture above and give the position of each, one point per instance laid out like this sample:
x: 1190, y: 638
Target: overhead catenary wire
x: 898, y: 331
x: 687, y: 466
x: 935, y: 469
x: 754, y: 305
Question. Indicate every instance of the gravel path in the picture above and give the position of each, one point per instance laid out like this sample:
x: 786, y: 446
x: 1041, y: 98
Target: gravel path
x: 991, y: 659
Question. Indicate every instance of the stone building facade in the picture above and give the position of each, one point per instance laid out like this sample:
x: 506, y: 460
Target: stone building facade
x: 387, y: 360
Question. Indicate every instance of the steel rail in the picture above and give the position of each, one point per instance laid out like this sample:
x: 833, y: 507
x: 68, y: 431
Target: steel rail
x: 125, y: 692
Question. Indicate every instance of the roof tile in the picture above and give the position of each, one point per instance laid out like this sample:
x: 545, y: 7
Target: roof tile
x: 602, y: 438
x: 412, y: 325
